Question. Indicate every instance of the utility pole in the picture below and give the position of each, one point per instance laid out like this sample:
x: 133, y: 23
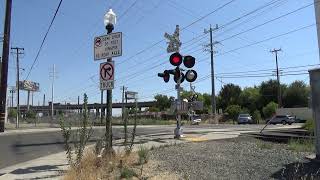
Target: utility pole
x: 32, y: 98
x: 52, y: 76
x: 78, y: 104
x: 12, y: 91
x: 28, y: 100
x: 44, y: 99
x: 275, y: 51
x: 4, y: 65
x: 18, y: 51
x: 213, y: 96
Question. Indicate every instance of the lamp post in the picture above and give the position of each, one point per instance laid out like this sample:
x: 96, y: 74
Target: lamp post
x: 110, y: 19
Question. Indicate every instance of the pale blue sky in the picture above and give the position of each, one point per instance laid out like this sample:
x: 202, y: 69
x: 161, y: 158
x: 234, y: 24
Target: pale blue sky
x: 69, y: 44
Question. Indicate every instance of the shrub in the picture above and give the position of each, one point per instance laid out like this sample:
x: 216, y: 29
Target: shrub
x: 269, y: 109
x: 309, y: 126
x: 79, y: 138
x: 143, y: 153
x: 12, y: 113
x: 31, y: 114
x: 256, y: 116
x: 233, y: 111
x: 127, y: 173
x: 301, y: 145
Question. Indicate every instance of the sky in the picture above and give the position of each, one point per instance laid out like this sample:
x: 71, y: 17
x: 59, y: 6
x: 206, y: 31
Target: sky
x: 69, y: 44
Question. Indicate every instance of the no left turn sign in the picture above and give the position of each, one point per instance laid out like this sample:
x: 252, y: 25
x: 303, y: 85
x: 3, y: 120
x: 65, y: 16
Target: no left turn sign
x: 107, y: 71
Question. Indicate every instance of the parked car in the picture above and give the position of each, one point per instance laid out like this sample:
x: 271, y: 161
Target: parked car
x: 194, y: 118
x: 245, y: 119
x: 299, y: 120
x: 282, y: 119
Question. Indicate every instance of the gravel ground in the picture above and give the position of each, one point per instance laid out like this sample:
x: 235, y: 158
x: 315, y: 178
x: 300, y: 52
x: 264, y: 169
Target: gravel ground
x: 238, y: 158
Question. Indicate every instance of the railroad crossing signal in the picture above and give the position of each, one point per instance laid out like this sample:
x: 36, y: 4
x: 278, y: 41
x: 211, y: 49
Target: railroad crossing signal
x: 176, y: 59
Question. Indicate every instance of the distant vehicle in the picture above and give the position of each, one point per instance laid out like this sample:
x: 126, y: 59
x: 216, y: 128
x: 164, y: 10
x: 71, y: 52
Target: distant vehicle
x: 299, y: 120
x: 245, y: 119
x: 195, y: 119
x: 282, y: 119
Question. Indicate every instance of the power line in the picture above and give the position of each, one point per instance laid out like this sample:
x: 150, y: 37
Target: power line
x: 251, y: 12
x: 267, y: 39
x: 43, y: 40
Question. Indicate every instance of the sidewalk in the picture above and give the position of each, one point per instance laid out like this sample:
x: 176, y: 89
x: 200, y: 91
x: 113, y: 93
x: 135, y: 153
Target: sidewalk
x: 53, y: 166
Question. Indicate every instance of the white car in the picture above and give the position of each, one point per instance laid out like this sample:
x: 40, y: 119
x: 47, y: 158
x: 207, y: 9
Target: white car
x: 195, y: 119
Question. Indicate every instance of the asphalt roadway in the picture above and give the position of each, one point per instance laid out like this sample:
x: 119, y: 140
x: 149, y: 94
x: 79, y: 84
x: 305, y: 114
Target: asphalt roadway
x: 20, y: 147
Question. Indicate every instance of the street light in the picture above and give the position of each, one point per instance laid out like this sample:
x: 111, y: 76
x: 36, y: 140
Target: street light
x: 110, y: 19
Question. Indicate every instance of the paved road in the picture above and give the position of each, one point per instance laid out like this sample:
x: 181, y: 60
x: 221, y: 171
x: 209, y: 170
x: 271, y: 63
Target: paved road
x: 21, y: 147
x: 16, y: 148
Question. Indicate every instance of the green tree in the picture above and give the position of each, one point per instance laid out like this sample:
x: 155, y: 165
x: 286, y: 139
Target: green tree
x: 270, y: 109
x: 233, y: 111
x: 250, y: 98
x: 229, y: 94
x: 269, y: 91
x: 296, y: 95
x: 12, y: 113
x: 31, y: 114
x: 163, y: 102
x: 256, y: 116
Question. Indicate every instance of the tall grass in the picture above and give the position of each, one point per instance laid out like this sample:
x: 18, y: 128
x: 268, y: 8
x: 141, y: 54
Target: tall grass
x: 301, y: 145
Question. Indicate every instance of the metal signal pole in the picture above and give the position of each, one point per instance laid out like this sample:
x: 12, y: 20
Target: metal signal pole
x: 4, y: 65
x: 278, y: 77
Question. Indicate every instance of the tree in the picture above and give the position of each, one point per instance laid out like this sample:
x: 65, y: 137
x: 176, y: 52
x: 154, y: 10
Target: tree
x: 269, y: 91
x: 163, y: 102
x: 249, y: 98
x: 270, y: 109
x: 296, y: 95
x: 229, y: 95
x: 233, y: 111
x: 256, y: 116
x: 12, y: 113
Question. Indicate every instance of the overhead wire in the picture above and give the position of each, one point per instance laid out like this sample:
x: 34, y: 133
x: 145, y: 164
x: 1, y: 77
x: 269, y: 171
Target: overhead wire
x: 44, y: 39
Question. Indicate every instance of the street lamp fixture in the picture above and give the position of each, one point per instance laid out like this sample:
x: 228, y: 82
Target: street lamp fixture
x: 110, y: 19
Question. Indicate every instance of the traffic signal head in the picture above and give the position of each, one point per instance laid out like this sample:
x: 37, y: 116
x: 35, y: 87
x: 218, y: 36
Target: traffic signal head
x: 175, y: 59
x: 165, y: 75
x: 189, y: 61
x: 191, y: 75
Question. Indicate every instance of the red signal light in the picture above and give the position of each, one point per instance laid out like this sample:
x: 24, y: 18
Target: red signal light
x: 175, y: 59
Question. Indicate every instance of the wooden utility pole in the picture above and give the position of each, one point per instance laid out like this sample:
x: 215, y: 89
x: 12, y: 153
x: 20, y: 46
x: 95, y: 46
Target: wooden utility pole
x: 213, y: 95
x: 275, y: 51
x: 4, y: 65
x: 18, y: 51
